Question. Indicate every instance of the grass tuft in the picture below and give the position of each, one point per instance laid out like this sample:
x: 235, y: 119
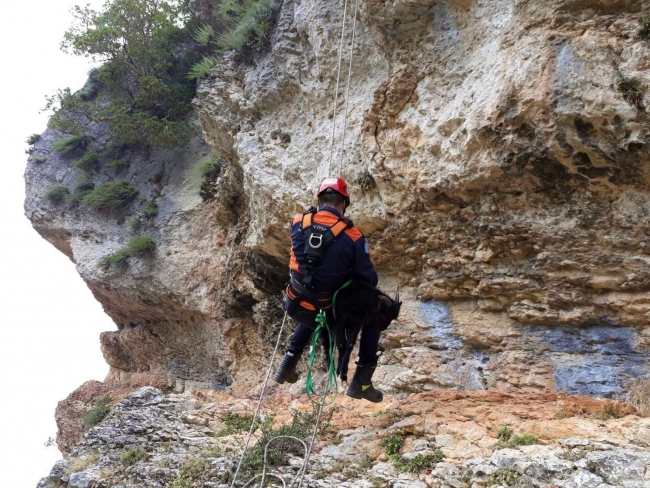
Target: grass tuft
x: 33, y: 139
x: 88, y: 162
x: 632, y: 94
x: 117, y: 165
x: 56, y: 194
x: 133, y: 455
x: 142, y: 247
x: 38, y: 159
x: 611, y: 410
x: 110, y: 196
x: 80, y: 464
x: 203, y: 67
x: 71, y: 144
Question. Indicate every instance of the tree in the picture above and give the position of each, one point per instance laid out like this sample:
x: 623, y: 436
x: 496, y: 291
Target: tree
x: 141, y: 89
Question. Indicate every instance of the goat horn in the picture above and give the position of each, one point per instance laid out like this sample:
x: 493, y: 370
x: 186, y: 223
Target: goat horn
x: 397, y: 294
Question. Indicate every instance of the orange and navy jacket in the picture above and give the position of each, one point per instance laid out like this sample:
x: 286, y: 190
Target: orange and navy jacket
x: 348, y: 257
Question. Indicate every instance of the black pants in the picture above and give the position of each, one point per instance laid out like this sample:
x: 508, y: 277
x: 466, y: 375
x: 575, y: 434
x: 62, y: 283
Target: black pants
x: 307, y: 325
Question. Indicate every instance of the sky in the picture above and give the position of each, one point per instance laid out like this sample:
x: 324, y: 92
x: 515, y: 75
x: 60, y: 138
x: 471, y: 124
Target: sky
x: 50, y: 322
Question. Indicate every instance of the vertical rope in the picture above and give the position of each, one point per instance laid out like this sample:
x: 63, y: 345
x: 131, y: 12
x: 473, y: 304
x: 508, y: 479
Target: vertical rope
x: 259, y: 403
x: 347, y: 91
x: 336, y: 92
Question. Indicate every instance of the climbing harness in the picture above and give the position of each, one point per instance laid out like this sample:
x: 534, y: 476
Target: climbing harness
x: 347, y: 90
x: 318, y: 243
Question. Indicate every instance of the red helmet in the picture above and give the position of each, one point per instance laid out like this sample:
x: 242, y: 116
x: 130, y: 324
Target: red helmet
x: 335, y: 185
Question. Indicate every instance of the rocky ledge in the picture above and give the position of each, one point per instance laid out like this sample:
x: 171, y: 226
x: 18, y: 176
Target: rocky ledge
x: 435, y: 439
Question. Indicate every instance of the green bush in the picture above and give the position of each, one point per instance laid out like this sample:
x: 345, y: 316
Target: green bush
x: 56, y: 194
x: 38, y: 159
x: 109, y: 196
x: 632, y: 94
x: 365, y: 181
x: 133, y: 455
x: 235, y: 423
x: 88, y: 162
x: 33, y: 139
x: 83, y: 188
x: 71, y: 144
x: 504, y: 477
x: 301, y: 426
x: 189, y: 472
x: 141, y: 90
x: 505, y: 433
x: 138, y: 247
x: 393, y: 444
x: 418, y: 463
x: 98, y: 412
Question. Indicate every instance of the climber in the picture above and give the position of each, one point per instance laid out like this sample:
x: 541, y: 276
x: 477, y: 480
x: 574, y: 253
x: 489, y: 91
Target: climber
x: 327, y: 250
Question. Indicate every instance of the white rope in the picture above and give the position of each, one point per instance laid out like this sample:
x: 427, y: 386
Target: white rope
x: 347, y: 91
x: 336, y: 91
x: 259, y: 403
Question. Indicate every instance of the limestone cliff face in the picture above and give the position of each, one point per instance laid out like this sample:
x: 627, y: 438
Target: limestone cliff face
x: 510, y: 198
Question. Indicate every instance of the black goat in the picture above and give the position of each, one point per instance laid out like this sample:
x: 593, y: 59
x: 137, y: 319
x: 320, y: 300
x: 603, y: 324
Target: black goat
x: 357, y: 306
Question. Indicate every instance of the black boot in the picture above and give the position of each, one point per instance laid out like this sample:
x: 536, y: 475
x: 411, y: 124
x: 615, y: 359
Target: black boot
x: 287, y: 369
x: 361, y: 384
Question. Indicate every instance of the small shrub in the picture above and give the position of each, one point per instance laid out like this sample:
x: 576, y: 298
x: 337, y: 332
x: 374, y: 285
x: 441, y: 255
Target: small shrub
x: 611, y: 410
x: 33, y: 139
x: 71, y: 144
x: 38, y: 159
x: 150, y: 210
x: 141, y: 247
x: 639, y: 396
x: 56, y: 194
x: 203, y: 67
x: 505, y: 477
x: 30, y: 150
x: 393, y: 444
x: 133, y: 455
x: 138, y: 247
x: 117, y: 165
x: 88, y: 162
x: 365, y: 181
x: 632, y: 94
x: 83, y: 188
x: 524, y: 439
x: 80, y: 464
x: 505, y: 433
x: 301, y: 426
x: 235, y: 423
x: 417, y: 463
x: 110, y: 196
x: 98, y: 412
x: 212, y: 452
x: 189, y: 472
x: 208, y: 170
